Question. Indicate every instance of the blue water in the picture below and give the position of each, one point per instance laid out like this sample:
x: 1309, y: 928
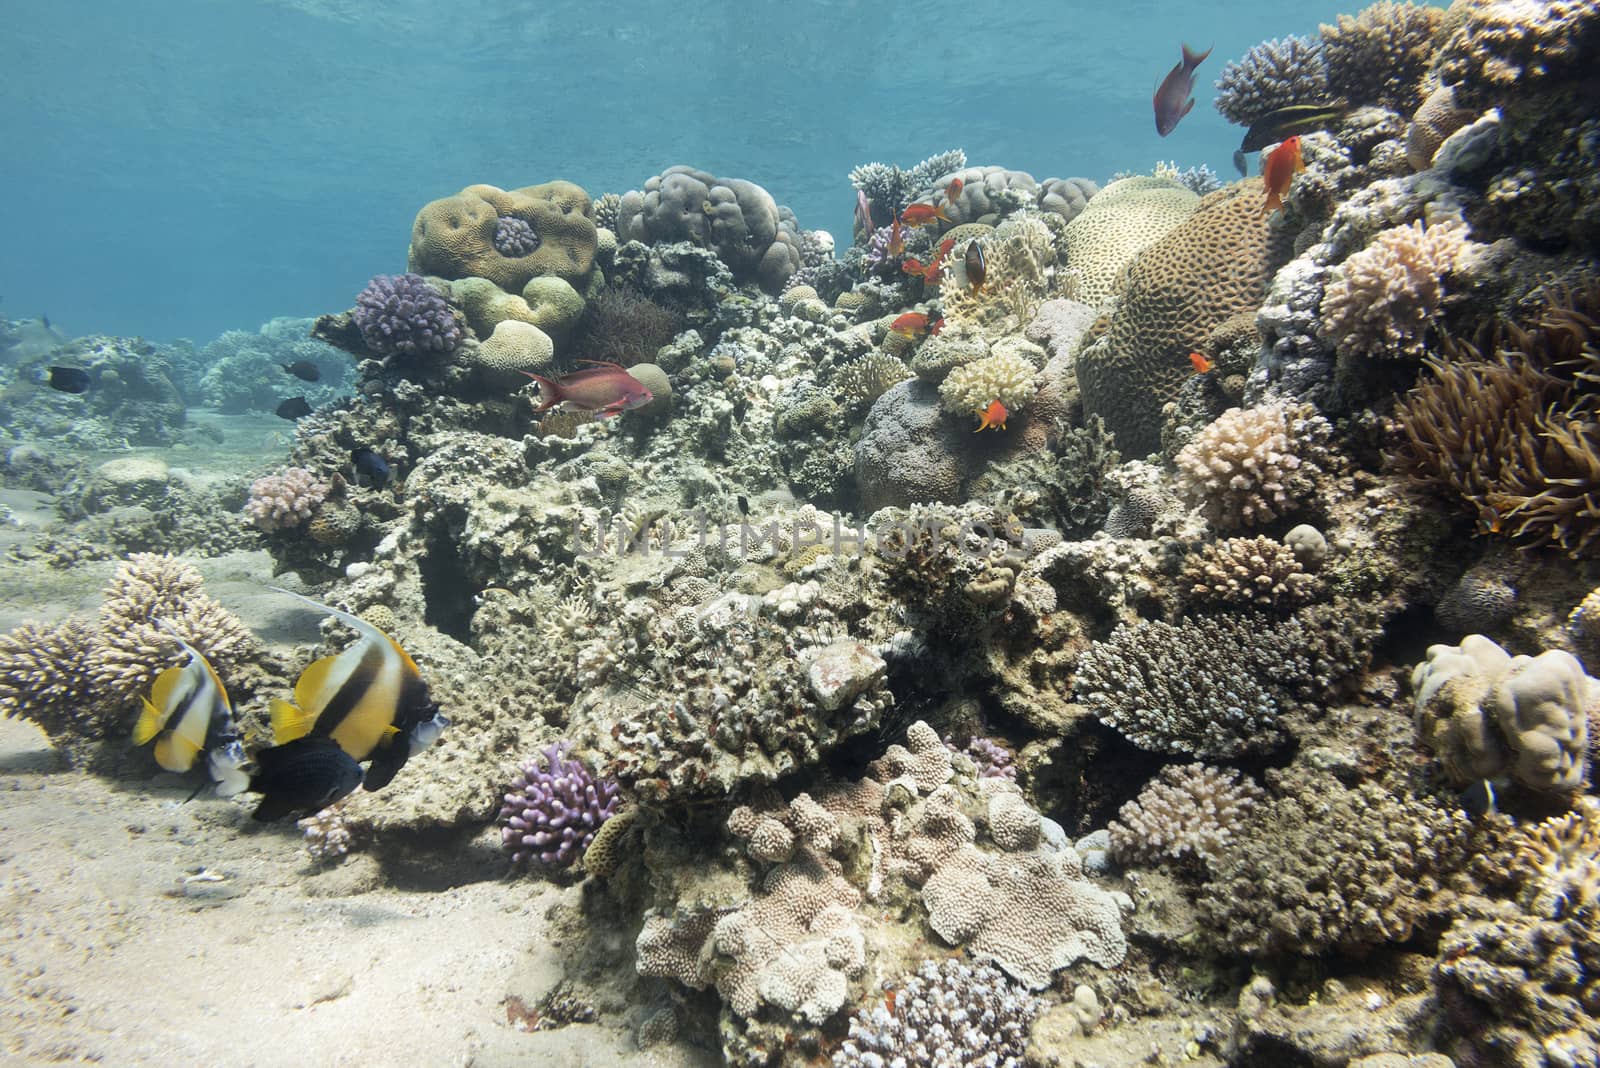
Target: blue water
x: 220, y: 162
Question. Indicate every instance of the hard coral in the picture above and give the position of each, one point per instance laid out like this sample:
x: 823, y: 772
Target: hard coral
x: 1005, y: 377
x: 1498, y: 48
x: 286, y: 499
x: 1189, y: 814
x: 455, y: 237
x: 737, y: 219
x: 553, y: 809
x: 1485, y: 714
x: 1384, y: 300
x: 1380, y: 55
x: 1020, y: 257
x: 1253, y: 465
x: 45, y: 677
x: 951, y: 1014
x: 404, y: 315
x: 1272, y: 75
x: 1248, y: 572
x: 1121, y: 221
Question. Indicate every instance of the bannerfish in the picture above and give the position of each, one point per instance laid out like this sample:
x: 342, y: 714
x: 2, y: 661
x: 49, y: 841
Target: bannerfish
x: 304, y: 370
x: 1173, y: 100
x: 68, y: 379
x: 305, y: 775
x: 607, y: 388
x: 370, y: 699
x: 1275, y: 126
x: 977, y: 267
x: 1283, y: 163
x: 293, y: 408
x: 371, y: 469
x: 187, y: 714
x: 1478, y: 800
x: 863, y: 219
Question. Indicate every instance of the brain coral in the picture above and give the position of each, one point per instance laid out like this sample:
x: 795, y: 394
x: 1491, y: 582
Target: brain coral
x: 1435, y: 120
x: 454, y: 237
x: 1117, y: 224
x: 1384, y: 299
x: 1381, y: 55
x: 1487, y: 713
x: 514, y: 348
x: 1210, y: 267
x: 738, y: 220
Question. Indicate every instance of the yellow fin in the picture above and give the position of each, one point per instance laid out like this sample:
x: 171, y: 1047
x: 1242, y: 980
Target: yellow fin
x: 150, y: 723
x: 176, y: 753
x: 289, y: 722
x: 312, y: 690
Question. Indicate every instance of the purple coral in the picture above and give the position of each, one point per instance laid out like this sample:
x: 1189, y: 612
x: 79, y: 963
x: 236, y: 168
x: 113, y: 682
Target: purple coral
x: 994, y: 760
x: 285, y: 499
x: 553, y: 809
x: 514, y: 237
x: 402, y: 313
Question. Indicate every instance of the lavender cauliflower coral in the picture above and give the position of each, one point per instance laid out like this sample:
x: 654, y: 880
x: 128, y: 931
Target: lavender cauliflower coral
x: 286, y: 499
x: 403, y: 314
x: 554, y: 808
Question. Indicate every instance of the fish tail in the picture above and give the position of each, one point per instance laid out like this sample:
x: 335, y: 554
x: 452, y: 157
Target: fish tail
x: 1191, y: 60
x: 1272, y: 203
x: 549, y: 392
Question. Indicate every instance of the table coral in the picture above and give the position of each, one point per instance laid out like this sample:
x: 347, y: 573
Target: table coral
x: 1485, y: 713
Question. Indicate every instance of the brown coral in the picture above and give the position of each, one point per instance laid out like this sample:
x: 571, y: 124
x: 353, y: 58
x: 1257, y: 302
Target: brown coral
x: 1209, y: 268
x: 1495, y: 47
x: 1386, y: 298
x: 1244, y: 572
x: 1188, y: 814
x: 45, y: 678
x: 454, y: 237
x: 1380, y: 55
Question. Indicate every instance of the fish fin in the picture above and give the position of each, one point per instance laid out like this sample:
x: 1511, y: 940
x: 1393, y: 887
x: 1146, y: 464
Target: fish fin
x: 1191, y: 60
x: 176, y: 752
x: 150, y: 722
x: 289, y: 722
x: 549, y: 392
x: 271, y: 808
x: 602, y: 363
x: 1272, y: 203
x: 1188, y: 107
x: 349, y: 619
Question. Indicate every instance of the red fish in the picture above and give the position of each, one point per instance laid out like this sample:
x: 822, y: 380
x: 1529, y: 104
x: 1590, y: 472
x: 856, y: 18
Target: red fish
x: 938, y: 325
x: 1172, y: 99
x: 911, y: 324
x: 992, y: 418
x: 1201, y: 364
x: 1282, y: 164
x: 897, y: 239
x: 923, y: 214
x: 607, y: 389
x: 952, y: 190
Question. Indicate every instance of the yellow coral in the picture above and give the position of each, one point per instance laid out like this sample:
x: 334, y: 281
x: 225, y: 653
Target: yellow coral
x: 454, y: 237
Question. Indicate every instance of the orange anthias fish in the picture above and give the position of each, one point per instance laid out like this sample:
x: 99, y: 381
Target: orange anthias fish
x: 897, y: 239
x: 1201, y: 364
x: 911, y: 324
x: 608, y: 389
x: 992, y: 418
x: 1282, y: 164
x: 952, y: 190
x: 929, y: 272
x: 922, y: 214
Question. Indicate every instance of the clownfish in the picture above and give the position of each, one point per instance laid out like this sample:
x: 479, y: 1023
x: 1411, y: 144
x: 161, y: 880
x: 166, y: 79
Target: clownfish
x: 370, y: 700
x: 187, y: 714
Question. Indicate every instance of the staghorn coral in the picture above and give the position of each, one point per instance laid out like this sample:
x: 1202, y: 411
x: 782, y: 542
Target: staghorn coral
x: 1165, y: 687
x: 1369, y: 867
x: 1188, y: 814
x: 1485, y: 714
x: 553, y: 809
x: 1272, y: 75
x: 1118, y: 223
x: 405, y: 315
x: 1212, y: 266
x: 1513, y: 434
x: 1253, y: 465
x: 129, y: 650
x: 1005, y: 377
x: 1384, y: 299
x: 1380, y: 55
x: 285, y: 500
x: 947, y: 1013
x: 1248, y: 572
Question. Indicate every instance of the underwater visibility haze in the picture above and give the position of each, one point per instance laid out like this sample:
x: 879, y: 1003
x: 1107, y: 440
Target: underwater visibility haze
x: 899, y: 536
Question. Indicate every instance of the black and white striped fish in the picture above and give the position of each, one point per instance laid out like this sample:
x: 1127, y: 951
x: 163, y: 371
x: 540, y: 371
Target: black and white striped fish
x: 187, y: 714
x: 370, y: 699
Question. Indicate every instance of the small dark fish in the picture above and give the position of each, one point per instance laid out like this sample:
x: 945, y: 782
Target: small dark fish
x: 1279, y: 125
x: 305, y: 775
x: 44, y: 321
x: 743, y: 503
x: 304, y: 370
x: 68, y: 379
x: 1478, y: 800
x: 977, y: 267
x: 1173, y: 100
x: 1239, y: 163
x: 372, y: 470
x: 293, y: 408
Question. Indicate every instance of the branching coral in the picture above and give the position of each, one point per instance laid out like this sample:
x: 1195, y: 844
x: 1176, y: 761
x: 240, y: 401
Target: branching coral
x: 286, y: 499
x: 1380, y: 55
x: 1272, y: 75
x: 864, y: 380
x: 553, y: 809
x: 1254, y: 465
x: 1189, y: 814
x: 951, y: 1014
x: 1248, y: 572
x: 1020, y: 257
x: 1386, y: 298
x: 404, y: 315
x: 45, y: 677
x: 1005, y: 377
x: 889, y: 189
x: 1514, y: 433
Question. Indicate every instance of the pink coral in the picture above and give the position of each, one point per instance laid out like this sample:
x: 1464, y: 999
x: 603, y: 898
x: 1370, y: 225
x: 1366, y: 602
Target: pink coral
x: 286, y: 499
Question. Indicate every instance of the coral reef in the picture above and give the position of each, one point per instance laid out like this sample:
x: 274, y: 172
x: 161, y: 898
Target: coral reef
x: 1384, y: 299
x: 553, y: 809
x: 405, y: 315
x: 1272, y: 75
x: 1188, y: 814
x: 1253, y: 465
x: 285, y: 500
x: 945, y: 1013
